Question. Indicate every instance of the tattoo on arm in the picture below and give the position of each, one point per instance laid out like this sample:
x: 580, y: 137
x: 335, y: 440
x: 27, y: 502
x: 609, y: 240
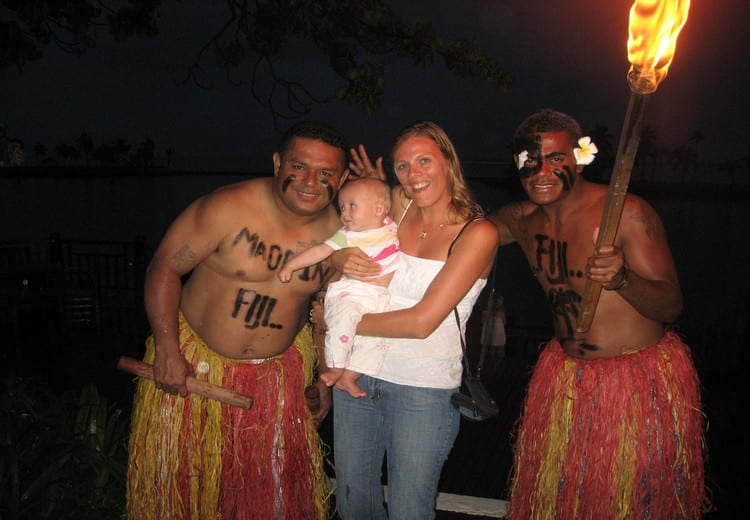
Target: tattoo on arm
x: 184, y: 257
x: 646, y: 216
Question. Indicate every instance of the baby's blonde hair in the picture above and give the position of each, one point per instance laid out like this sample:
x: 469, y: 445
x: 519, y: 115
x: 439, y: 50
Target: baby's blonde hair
x: 379, y: 188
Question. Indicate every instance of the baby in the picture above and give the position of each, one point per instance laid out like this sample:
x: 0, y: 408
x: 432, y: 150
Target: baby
x: 364, y: 205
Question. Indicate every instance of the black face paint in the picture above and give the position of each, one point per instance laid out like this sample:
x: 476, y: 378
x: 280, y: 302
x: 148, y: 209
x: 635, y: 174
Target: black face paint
x: 530, y: 171
x: 567, y: 178
x: 328, y: 187
x: 534, y: 151
x: 323, y: 182
x: 287, y: 182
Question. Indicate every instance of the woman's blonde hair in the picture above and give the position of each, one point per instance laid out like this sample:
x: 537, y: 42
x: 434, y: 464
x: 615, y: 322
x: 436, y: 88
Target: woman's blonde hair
x: 462, y: 199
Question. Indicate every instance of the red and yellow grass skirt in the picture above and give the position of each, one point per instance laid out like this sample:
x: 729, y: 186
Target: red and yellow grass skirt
x: 615, y: 438
x: 196, y: 458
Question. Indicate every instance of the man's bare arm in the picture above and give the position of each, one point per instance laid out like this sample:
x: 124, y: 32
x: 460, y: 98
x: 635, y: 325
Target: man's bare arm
x: 642, y: 270
x: 506, y: 219
x: 187, y: 242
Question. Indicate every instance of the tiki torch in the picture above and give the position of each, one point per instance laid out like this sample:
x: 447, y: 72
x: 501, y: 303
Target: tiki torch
x: 653, y: 30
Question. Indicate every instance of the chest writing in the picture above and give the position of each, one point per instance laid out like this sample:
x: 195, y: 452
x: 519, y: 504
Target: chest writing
x: 274, y: 255
x: 551, y: 260
x: 256, y: 309
x: 249, y: 245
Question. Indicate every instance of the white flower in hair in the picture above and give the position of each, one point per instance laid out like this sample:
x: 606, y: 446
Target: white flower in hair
x: 521, y: 159
x: 586, y: 151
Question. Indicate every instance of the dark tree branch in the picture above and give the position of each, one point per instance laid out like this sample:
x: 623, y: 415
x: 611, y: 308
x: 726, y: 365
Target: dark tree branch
x: 353, y: 36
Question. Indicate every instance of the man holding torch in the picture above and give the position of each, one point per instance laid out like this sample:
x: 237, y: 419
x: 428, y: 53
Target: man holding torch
x: 612, y: 424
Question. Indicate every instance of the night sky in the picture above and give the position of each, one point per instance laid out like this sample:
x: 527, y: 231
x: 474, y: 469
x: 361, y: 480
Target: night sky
x: 565, y: 54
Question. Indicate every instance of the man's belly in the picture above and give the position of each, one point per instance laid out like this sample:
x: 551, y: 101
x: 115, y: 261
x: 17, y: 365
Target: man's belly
x: 613, y: 341
x: 255, y: 329
x: 225, y: 337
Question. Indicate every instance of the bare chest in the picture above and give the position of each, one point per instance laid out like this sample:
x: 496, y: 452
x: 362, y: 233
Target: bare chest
x: 250, y: 255
x: 558, y: 260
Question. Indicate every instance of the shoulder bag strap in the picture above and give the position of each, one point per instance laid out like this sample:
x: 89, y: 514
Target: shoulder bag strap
x: 464, y: 358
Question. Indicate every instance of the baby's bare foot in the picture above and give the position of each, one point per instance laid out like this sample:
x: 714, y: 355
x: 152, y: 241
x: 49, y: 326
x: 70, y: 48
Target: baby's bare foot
x: 331, y: 376
x: 348, y: 382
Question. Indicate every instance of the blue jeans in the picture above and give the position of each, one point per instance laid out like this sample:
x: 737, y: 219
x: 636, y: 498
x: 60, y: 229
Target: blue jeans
x: 415, y: 427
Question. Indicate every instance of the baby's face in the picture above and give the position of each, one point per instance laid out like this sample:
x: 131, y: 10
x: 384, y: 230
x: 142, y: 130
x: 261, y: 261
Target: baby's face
x: 359, y: 208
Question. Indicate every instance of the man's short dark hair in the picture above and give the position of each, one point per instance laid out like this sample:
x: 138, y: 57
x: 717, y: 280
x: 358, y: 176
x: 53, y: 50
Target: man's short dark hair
x: 545, y: 120
x: 316, y: 130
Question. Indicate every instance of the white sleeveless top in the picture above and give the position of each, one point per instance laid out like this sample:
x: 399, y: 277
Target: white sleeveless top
x: 433, y: 362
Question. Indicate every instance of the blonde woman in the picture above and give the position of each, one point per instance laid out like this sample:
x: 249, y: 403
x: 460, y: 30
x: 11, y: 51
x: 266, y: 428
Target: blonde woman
x: 407, y: 415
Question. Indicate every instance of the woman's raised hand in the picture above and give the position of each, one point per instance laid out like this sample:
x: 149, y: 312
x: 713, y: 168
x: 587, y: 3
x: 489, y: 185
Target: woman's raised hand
x: 362, y: 165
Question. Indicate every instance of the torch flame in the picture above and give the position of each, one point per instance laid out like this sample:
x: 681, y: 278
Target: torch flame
x: 654, y: 26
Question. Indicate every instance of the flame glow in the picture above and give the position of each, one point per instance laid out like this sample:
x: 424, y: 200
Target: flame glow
x: 654, y: 26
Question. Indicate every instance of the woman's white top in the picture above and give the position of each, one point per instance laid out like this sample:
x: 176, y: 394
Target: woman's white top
x: 433, y: 362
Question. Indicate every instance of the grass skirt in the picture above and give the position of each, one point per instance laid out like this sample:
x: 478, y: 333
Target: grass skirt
x: 197, y: 458
x: 616, y: 438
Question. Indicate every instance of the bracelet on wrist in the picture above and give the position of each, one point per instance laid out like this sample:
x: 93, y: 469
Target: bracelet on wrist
x: 624, y: 280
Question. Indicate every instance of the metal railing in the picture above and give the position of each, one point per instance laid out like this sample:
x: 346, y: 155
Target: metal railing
x: 68, y: 285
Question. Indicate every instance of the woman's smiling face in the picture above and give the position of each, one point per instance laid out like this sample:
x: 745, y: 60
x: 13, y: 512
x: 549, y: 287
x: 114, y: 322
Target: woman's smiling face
x: 421, y: 168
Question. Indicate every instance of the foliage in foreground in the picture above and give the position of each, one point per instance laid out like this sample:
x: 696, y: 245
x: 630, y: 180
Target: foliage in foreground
x: 62, y: 455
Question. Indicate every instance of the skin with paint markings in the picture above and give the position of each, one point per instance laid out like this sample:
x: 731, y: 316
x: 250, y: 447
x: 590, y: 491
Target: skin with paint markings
x: 232, y: 243
x: 556, y: 229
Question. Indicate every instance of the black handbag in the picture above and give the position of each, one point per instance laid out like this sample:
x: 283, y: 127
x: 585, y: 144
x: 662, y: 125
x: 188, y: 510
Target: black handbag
x: 472, y: 400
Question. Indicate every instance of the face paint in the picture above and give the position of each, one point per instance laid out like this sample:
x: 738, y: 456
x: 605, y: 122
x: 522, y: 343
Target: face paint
x: 567, y: 178
x: 533, y: 164
x: 287, y: 182
x: 530, y: 171
x: 323, y: 182
x: 328, y: 187
x: 534, y: 158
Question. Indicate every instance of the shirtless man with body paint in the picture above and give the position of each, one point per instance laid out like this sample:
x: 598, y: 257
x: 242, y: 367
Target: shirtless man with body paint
x: 234, y: 323
x: 556, y: 229
x: 611, y: 425
x: 232, y: 242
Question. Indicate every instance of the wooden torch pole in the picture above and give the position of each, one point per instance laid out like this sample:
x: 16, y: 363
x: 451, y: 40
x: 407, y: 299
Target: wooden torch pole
x: 618, y: 188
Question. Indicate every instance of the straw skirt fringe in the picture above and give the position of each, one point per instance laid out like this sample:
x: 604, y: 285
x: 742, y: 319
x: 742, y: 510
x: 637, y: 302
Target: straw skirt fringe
x: 196, y: 458
x: 616, y: 438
